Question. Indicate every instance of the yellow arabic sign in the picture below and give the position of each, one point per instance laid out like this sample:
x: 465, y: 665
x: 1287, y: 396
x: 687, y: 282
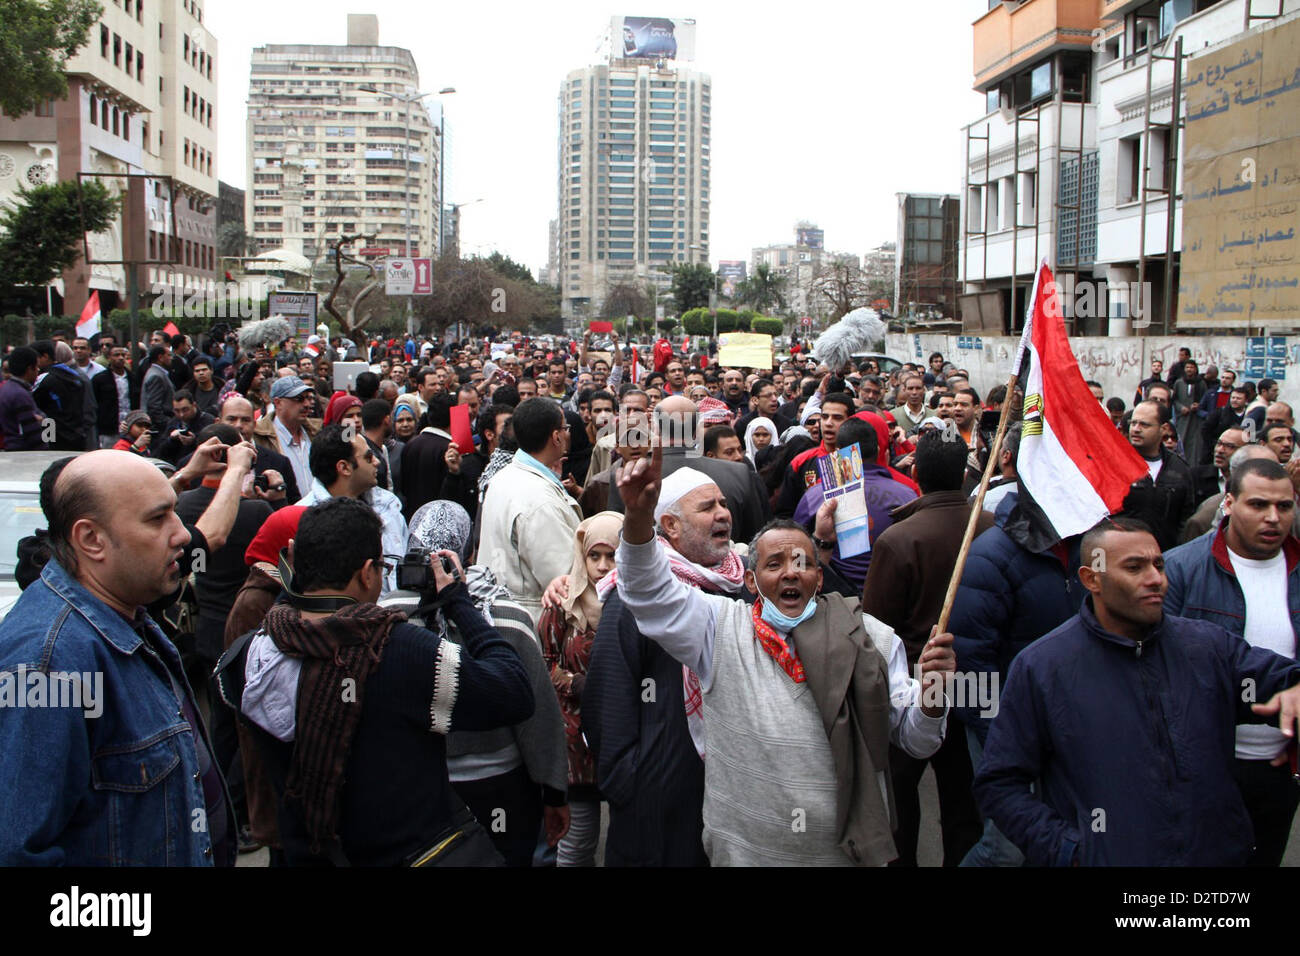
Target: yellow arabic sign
x: 1241, y: 184
x: 745, y: 350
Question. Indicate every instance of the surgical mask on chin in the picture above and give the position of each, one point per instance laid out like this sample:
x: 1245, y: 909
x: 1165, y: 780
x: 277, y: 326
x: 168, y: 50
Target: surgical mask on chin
x: 783, y: 622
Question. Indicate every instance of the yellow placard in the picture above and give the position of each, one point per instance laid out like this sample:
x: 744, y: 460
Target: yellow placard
x: 745, y: 350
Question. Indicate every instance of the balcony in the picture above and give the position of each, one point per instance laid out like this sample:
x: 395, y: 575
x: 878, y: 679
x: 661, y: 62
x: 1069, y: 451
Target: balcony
x: 1009, y: 36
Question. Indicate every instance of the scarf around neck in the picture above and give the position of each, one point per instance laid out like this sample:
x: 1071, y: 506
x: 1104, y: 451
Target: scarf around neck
x: 347, y: 645
x: 724, y: 578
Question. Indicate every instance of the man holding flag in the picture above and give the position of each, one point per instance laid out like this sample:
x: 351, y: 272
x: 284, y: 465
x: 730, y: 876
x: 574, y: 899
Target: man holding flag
x: 1020, y: 580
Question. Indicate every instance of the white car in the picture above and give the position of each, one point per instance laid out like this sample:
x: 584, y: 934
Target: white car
x: 20, y: 511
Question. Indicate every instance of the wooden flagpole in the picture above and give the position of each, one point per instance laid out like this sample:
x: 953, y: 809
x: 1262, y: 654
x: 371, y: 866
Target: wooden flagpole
x: 994, y: 454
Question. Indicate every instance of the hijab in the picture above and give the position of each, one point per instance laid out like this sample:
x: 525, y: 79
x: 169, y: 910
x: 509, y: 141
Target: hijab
x: 441, y: 525
x: 582, y: 607
x: 760, y: 422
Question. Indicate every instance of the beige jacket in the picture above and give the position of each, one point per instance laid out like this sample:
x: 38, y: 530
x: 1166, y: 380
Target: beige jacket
x: 528, y: 528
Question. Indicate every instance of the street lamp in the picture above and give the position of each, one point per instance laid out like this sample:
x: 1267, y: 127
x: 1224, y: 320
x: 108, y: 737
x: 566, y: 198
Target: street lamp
x: 408, y: 99
x: 713, y: 295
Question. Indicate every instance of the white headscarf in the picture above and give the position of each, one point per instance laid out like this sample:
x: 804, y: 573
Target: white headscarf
x: 764, y: 423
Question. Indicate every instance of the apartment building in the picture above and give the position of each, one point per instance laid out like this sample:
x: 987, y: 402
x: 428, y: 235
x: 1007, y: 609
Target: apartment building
x: 340, y: 142
x: 1080, y: 154
x: 801, y: 263
x: 142, y: 101
x: 633, y: 180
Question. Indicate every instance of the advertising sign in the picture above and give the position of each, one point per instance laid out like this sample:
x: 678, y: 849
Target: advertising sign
x: 408, y: 277
x: 732, y: 272
x: 653, y: 38
x: 298, y: 307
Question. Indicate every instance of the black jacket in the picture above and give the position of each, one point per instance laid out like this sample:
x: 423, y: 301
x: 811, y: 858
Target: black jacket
x: 104, y: 388
x: 1167, y: 503
x: 61, y: 395
x: 172, y: 449
x: 646, y: 763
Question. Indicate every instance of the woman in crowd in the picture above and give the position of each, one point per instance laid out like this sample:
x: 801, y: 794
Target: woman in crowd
x: 567, y: 633
x: 760, y: 434
x: 511, y: 778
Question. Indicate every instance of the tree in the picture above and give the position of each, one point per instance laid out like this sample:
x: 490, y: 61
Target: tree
x: 505, y: 266
x: 349, y: 323
x: 41, y: 235
x: 233, y: 240
x: 840, y: 285
x: 624, y: 299
x: 764, y: 290
x: 471, y: 291
x: 692, y: 285
x: 37, y: 37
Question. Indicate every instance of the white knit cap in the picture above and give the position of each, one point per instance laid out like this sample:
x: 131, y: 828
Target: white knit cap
x: 677, y: 486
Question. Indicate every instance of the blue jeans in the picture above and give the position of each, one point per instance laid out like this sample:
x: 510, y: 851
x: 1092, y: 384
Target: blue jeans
x: 993, y: 849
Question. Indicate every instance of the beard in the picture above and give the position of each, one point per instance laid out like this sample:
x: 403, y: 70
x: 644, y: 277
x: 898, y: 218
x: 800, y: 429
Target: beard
x: 701, y: 546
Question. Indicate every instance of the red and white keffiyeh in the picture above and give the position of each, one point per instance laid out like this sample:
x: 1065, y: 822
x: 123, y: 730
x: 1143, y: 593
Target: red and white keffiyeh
x: 724, y: 578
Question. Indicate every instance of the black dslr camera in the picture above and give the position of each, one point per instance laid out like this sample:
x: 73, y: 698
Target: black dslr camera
x: 414, y: 573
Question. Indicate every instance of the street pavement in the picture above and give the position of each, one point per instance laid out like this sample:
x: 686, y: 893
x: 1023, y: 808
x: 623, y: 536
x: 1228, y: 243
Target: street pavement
x: 929, y: 849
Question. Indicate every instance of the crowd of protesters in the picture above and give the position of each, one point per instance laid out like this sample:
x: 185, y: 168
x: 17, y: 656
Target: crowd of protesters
x: 491, y: 593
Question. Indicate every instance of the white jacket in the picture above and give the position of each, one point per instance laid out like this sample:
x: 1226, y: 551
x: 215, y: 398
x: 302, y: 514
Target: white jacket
x: 528, y: 533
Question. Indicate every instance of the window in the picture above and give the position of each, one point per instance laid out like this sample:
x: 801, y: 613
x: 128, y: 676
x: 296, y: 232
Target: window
x: 103, y: 41
x: 117, y: 50
x: 1128, y: 172
x: 1027, y: 200
x: 139, y: 66
x: 975, y: 209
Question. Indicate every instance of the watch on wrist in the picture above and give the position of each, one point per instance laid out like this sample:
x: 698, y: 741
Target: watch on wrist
x: 822, y: 545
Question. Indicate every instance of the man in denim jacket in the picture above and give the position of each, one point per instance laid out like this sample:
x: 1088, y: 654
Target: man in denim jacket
x: 105, y: 761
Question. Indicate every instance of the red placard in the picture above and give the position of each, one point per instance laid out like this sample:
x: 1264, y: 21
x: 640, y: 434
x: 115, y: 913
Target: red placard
x: 599, y: 326
x: 461, y: 433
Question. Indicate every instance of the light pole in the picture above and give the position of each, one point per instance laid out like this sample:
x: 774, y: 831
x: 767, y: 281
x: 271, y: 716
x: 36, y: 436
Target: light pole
x: 408, y: 99
x: 713, y: 296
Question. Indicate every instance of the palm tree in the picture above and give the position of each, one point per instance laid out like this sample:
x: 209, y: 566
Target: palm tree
x: 762, y: 290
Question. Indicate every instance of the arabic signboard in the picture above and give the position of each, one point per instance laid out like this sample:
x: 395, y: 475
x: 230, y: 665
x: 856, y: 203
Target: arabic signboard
x: 1241, y: 184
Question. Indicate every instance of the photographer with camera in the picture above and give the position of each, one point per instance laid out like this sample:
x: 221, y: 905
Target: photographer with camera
x: 520, y: 770
x: 351, y: 703
x: 178, y: 434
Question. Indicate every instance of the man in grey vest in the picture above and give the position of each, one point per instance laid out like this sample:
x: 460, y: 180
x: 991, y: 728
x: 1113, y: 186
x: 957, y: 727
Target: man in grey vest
x: 774, y: 677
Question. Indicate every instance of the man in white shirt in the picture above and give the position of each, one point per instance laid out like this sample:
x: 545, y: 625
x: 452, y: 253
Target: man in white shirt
x: 780, y: 790
x: 1246, y: 577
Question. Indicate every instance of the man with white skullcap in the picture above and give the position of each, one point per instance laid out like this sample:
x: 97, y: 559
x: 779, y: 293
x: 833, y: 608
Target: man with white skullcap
x: 677, y: 423
x: 649, y: 746
x: 801, y: 692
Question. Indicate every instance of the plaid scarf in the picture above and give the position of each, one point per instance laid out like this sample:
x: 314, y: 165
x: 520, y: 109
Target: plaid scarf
x: 777, y: 649
x: 498, y: 460
x: 347, y: 645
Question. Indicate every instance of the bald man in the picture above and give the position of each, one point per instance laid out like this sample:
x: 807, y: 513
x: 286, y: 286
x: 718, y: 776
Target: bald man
x: 106, y: 762
x: 677, y: 422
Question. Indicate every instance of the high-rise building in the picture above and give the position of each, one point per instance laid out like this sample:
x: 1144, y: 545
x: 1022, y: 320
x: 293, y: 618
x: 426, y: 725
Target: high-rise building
x: 339, y: 143
x: 142, y: 100
x: 633, y: 178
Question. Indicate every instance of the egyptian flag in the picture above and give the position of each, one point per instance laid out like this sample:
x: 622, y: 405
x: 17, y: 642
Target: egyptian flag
x: 1074, y: 467
x: 89, y: 323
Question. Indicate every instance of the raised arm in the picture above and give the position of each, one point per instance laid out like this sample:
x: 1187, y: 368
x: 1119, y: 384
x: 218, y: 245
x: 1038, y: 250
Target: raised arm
x: 676, y: 617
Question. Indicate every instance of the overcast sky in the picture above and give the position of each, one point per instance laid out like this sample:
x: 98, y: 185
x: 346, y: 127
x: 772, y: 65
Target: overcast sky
x: 821, y: 111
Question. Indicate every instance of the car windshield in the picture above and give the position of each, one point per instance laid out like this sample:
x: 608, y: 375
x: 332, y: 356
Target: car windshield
x: 20, y: 516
